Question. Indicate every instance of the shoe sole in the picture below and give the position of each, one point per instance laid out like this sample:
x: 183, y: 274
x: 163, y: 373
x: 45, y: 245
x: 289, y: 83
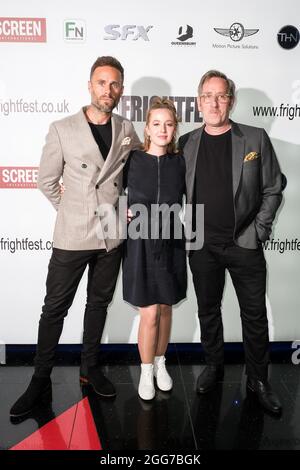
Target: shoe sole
x: 161, y: 389
x: 267, y: 410
x: 84, y: 382
x: 146, y: 399
x: 46, y: 399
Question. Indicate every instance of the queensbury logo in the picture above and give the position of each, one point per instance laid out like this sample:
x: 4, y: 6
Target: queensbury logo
x: 236, y: 32
x: 22, y: 29
x: 184, y: 33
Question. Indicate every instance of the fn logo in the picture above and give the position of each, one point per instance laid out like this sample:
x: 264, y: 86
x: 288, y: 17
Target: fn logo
x: 74, y: 30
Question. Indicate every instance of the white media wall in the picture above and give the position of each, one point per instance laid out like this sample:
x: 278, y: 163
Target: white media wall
x: 46, y: 51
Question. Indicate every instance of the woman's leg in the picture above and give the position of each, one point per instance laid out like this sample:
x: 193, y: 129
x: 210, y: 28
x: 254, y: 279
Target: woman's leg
x: 148, y: 333
x: 147, y: 341
x: 163, y: 379
x: 164, y: 329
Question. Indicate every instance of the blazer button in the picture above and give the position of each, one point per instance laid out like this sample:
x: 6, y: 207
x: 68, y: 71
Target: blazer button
x: 95, y: 213
x: 84, y: 165
x: 97, y: 186
x: 115, y: 184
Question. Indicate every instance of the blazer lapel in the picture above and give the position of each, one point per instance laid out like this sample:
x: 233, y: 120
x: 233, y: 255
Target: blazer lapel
x: 86, y: 142
x: 191, y: 153
x: 238, y: 152
x: 114, y: 152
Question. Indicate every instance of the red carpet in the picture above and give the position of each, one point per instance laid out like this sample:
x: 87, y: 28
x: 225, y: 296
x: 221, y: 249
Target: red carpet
x: 72, y: 430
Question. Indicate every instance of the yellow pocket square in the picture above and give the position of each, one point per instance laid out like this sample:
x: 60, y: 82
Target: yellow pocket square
x: 251, y: 156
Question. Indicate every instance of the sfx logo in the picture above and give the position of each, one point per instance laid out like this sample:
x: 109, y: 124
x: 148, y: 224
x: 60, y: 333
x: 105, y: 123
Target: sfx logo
x: 127, y: 30
x: 236, y: 32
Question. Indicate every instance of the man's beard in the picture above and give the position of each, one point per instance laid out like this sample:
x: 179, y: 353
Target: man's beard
x: 106, y: 107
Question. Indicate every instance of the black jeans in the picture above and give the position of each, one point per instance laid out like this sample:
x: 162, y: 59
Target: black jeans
x: 247, y: 269
x: 64, y: 274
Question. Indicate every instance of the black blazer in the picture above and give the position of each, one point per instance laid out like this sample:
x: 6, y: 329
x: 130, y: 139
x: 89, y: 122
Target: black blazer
x: 256, y: 176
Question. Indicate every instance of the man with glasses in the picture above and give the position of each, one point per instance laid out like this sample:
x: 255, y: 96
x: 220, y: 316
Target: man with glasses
x: 232, y: 169
x: 88, y: 151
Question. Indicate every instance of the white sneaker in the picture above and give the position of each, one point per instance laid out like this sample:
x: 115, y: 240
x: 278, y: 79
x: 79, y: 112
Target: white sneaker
x: 163, y: 379
x: 146, y: 386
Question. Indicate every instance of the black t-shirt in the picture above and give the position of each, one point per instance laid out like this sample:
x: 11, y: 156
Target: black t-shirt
x: 103, y: 136
x: 213, y: 187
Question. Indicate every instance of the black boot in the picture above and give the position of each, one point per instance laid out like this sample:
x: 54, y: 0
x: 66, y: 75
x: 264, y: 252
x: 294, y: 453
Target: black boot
x: 209, y: 377
x: 265, y: 395
x: 101, y: 385
x: 39, y: 391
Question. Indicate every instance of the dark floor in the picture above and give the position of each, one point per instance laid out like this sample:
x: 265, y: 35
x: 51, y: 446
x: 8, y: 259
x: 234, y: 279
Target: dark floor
x: 180, y: 420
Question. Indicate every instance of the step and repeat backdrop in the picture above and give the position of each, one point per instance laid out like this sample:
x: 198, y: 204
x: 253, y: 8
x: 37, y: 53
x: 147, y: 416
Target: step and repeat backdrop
x: 46, y: 51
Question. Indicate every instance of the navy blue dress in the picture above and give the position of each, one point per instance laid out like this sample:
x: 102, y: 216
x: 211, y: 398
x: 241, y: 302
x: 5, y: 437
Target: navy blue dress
x: 154, y: 269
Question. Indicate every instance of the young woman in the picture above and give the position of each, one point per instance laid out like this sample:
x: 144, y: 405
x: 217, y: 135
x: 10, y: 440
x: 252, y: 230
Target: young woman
x: 154, y: 264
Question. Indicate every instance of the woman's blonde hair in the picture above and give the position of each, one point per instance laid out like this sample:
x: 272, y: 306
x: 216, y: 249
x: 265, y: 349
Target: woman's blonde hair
x: 161, y: 103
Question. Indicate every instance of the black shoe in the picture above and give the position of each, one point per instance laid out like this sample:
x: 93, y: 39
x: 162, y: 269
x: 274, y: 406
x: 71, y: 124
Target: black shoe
x: 209, y: 377
x: 38, y: 392
x: 266, y: 397
x: 101, y: 385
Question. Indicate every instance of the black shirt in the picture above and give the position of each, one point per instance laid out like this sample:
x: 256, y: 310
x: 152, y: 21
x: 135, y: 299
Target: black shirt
x: 213, y: 187
x: 103, y: 136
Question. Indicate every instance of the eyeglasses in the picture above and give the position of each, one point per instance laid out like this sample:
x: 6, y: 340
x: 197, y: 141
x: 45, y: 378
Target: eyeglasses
x: 221, y: 97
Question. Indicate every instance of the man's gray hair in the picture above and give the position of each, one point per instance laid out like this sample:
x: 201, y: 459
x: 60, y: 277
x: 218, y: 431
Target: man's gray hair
x: 216, y: 73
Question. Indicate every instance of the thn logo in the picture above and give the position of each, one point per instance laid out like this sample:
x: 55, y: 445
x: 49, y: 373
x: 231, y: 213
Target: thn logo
x: 288, y: 37
x: 116, y: 31
x: 74, y: 30
x: 236, y: 32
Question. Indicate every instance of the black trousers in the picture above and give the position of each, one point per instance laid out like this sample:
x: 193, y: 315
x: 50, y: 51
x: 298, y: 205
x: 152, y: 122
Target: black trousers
x: 64, y: 274
x: 247, y: 269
